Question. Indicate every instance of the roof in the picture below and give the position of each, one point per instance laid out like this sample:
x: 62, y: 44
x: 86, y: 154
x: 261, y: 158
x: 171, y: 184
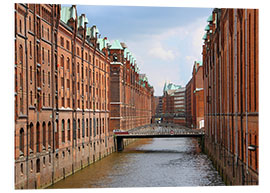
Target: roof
x: 92, y: 31
x: 116, y: 45
x: 205, y: 36
x: 81, y: 21
x: 207, y: 28
x: 210, y: 18
x: 171, y: 86
x: 103, y: 43
x: 67, y: 13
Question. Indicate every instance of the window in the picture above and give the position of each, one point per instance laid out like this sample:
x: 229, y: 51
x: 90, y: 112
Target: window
x: 38, y: 138
x: 63, y: 131
x: 83, y: 128
x: 20, y: 27
x: 22, y: 141
x: 31, y: 75
x: 30, y: 49
x: 78, y: 51
x: 68, y: 63
x: 43, y: 55
x: 62, y: 41
x: 30, y: 26
x: 49, y: 79
x: 42, y: 31
x: 87, y: 128
x: 68, y: 130
x: 44, y: 135
x: 62, y: 61
x: 49, y: 133
x: 90, y: 123
x: 49, y: 57
x: 44, y: 99
x: 67, y: 44
x: 49, y: 100
x: 31, y: 98
x: 79, y: 132
x: 31, y: 137
x: 38, y: 165
x: 48, y: 34
x: 43, y: 77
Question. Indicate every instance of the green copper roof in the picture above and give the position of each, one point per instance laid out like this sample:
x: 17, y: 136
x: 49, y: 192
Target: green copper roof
x: 81, y: 21
x: 91, y: 31
x: 207, y: 28
x: 116, y: 45
x: 170, y: 86
x: 103, y: 42
x: 210, y: 18
x: 67, y: 13
x: 205, y: 36
x: 126, y: 52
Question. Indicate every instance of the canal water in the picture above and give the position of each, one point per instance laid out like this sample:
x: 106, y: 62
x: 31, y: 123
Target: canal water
x: 159, y: 162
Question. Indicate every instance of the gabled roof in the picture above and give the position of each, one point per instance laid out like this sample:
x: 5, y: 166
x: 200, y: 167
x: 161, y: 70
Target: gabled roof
x: 207, y: 28
x: 205, y: 36
x: 91, y: 31
x: 103, y: 43
x: 116, y: 45
x: 81, y: 21
x: 210, y: 18
x: 68, y: 13
x: 170, y: 86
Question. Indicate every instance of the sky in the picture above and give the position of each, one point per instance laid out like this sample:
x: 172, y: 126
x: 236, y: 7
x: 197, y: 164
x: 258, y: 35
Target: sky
x: 164, y: 40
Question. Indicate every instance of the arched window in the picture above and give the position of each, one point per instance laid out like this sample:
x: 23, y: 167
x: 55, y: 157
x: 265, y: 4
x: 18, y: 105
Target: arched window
x: 68, y: 63
x: 74, y: 129
x: 20, y: 27
x: 31, y: 97
x: 44, y: 135
x: 38, y: 138
x: 31, y: 137
x: 83, y: 128
x: 87, y: 132
x: 57, y: 134
x: 62, y: 61
x: 90, y: 126
x: 30, y: 24
x: 79, y: 130
x: 68, y: 130
x: 22, y: 141
x: 38, y: 165
x: 49, y: 133
x: 63, y: 131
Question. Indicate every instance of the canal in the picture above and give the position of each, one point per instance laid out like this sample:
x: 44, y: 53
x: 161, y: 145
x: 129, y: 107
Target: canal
x: 160, y: 162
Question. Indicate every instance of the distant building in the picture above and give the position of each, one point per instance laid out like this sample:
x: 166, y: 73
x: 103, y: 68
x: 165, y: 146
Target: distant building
x: 194, y: 98
x: 174, y: 104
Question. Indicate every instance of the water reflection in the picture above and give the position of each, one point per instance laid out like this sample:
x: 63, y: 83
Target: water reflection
x: 171, y: 162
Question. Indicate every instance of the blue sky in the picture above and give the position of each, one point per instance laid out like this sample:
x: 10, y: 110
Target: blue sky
x: 164, y: 40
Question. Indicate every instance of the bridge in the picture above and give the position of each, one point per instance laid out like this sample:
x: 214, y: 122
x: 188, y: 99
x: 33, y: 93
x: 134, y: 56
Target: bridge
x: 157, y: 131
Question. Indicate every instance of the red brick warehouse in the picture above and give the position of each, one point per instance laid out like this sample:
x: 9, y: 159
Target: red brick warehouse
x: 63, y: 75
x: 231, y: 87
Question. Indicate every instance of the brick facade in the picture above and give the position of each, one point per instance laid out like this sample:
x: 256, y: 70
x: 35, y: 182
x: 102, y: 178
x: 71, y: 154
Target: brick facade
x: 230, y: 61
x: 194, y: 98
x: 62, y: 95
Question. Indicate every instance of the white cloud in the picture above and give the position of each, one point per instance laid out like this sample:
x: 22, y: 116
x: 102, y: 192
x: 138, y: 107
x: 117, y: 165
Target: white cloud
x: 158, y: 51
